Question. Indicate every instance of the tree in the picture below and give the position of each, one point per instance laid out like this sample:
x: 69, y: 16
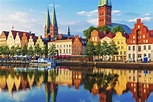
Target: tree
x: 118, y: 28
x: 18, y: 50
x: 97, y: 48
x: 90, y: 48
x: 12, y: 50
x: 37, y: 49
x: 113, y: 49
x: 5, y: 50
x: 52, y: 50
x: 30, y: 51
x: 104, y: 28
x: 87, y: 32
x: 45, y: 51
x: 24, y: 50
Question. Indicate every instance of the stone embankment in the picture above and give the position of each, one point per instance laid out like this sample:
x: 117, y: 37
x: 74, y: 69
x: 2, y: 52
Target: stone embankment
x: 117, y: 65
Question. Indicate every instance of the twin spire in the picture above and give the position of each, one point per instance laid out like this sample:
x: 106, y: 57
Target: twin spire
x: 104, y: 2
x: 53, y: 21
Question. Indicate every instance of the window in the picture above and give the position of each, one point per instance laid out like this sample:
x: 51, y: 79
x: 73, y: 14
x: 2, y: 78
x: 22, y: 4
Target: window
x: 129, y: 48
x: 133, y: 48
x: 121, y: 47
x: 124, y: 52
x: 64, y: 51
x: 120, y: 52
x: 133, y: 37
x: 129, y: 55
x: 149, y: 55
x: 95, y: 38
x: 144, y: 36
x: 92, y: 38
x: 146, y: 41
x: 144, y: 47
x: 149, y: 47
x: 139, y: 48
x: 133, y: 56
x: 118, y: 42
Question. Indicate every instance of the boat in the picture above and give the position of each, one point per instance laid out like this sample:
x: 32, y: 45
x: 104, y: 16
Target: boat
x: 43, y: 62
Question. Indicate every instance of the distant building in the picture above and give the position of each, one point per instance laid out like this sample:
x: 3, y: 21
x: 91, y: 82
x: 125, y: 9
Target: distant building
x: 140, y: 42
x: 78, y: 46
x: 108, y: 37
x: 105, y: 15
x: 3, y: 38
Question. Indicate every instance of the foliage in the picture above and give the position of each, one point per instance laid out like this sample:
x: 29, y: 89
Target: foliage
x: 87, y: 32
x: 52, y: 50
x: 90, y: 48
x: 12, y: 50
x: 18, y: 50
x: 113, y: 50
x: 104, y: 28
x: 37, y: 50
x: 30, y: 51
x: 118, y: 29
x: 24, y: 50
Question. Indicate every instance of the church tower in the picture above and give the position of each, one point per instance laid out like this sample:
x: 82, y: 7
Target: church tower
x: 104, y: 12
x: 47, y: 25
x: 53, y: 27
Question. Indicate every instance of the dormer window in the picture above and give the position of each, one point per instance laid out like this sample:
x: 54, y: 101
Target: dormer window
x: 139, y: 26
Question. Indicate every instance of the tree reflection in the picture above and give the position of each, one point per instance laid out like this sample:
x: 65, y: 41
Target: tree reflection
x: 102, y: 84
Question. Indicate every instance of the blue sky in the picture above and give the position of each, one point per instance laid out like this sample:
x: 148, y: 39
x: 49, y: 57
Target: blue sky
x: 29, y: 15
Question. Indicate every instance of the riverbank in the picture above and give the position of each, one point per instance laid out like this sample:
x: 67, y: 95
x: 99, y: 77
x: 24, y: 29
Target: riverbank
x: 117, y: 65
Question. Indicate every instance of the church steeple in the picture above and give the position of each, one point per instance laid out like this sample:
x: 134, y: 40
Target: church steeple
x: 54, y: 27
x: 54, y: 21
x: 68, y: 31
x: 47, y: 22
x: 47, y: 25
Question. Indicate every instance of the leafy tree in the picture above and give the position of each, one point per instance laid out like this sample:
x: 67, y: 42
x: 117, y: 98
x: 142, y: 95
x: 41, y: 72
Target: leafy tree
x: 37, y: 49
x: 97, y: 48
x: 12, y: 50
x: 24, y: 50
x: 87, y: 32
x: 104, y: 49
x: 118, y: 29
x: 90, y: 49
x: 104, y: 28
x: 18, y: 50
x: 113, y: 49
x: 30, y: 51
x: 45, y: 51
x: 52, y: 50
x: 5, y: 50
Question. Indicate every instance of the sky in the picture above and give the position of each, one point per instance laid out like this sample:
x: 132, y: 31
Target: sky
x: 30, y: 15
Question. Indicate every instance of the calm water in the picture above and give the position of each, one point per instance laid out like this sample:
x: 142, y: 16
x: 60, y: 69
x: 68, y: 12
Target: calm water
x: 65, y: 84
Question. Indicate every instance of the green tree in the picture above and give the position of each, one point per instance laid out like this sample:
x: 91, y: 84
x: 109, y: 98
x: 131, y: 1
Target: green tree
x: 5, y: 50
x: 104, y: 28
x: 52, y: 50
x: 104, y: 49
x: 24, y: 50
x: 118, y: 29
x: 30, y: 51
x: 45, y: 51
x: 12, y: 50
x: 90, y: 49
x: 113, y: 49
x: 18, y: 50
x: 37, y: 49
x: 97, y: 49
x: 87, y: 32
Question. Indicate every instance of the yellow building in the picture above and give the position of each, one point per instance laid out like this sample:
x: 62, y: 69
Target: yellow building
x: 3, y: 38
x: 120, y: 41
x: 31, y: 42
x: 40, y: 42
x: 64, y: 47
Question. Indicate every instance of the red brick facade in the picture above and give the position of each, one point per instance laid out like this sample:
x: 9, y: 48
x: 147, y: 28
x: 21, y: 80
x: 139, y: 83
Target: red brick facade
x: 104, y: 15
x: 140, y: 34
x: 77, y: 47
x: 24, y: 40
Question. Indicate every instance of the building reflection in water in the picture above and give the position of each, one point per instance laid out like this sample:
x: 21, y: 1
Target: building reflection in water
x: 99, y: 81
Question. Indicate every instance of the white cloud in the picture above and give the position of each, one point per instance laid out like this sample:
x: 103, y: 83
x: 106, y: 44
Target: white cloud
x: 117, y: 12
x: 93, y: 21
x: 89, y: 14
x: 55, y: 5
x: 145, y: 19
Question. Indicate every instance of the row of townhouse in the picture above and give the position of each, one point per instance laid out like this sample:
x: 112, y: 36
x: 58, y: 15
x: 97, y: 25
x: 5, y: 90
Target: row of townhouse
x: 70, y: 46
x: 135, y: 46
x: 20, y: 38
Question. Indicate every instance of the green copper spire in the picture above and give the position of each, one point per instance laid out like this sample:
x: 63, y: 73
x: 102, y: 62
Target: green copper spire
x: 99, y: 3
x: 106, y: 2
x: 47, y: 22
x: 54, y: 21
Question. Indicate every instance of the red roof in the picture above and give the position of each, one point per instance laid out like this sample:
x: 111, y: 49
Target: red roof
x: 111, y: 34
